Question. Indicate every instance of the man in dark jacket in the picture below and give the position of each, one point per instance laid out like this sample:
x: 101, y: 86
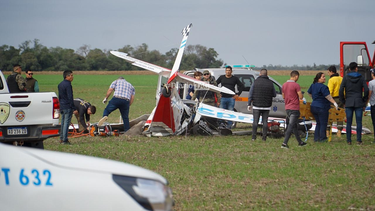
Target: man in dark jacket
x: 260, y: 98
x: 82, y: 112
x: 66, y: 105
x: 16, y: 83
x: 354, y: 99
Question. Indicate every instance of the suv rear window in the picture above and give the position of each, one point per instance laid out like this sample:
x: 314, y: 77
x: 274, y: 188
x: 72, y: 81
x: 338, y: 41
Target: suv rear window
x: 247, y: 81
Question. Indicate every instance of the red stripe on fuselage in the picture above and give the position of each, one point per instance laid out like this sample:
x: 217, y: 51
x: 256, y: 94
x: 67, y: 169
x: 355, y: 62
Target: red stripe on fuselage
x: 164, y: 112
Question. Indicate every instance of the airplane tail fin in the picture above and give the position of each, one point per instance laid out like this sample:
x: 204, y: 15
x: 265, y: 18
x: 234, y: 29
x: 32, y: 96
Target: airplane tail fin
x: 163, y: 115
x: 176, y: 65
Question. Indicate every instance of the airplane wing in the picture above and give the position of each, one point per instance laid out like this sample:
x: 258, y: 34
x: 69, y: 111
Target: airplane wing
x: 166, y: 72
x: 201, y: 84
x: 142, y: 64
x: 220, y: 113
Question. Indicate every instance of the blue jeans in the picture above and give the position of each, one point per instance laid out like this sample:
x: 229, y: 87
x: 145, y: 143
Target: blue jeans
x: 256, y: 115
x: 293, y: 116
x: 321, y: 118
x: 349, y: 118
x: 121, y: 104
x: 228, y: 103
x: 66, y: 117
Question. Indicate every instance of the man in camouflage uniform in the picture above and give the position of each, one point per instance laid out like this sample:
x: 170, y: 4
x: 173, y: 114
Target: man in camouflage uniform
x: 15, y: 81
x: 209, y: 97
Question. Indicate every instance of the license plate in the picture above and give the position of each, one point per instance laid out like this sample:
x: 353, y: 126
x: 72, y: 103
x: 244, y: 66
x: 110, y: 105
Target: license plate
x: 17, y: 131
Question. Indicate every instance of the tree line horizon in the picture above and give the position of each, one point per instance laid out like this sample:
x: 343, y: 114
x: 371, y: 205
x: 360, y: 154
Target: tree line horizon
x: 32, y: 55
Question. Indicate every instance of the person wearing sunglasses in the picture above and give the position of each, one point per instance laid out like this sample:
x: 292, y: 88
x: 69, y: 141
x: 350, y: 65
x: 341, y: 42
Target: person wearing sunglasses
x: 208, y: 97
x: 31, y: 83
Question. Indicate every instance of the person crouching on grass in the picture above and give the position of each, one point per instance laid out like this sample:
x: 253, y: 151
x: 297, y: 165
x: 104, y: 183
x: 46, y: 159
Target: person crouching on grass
x: 83, y: 112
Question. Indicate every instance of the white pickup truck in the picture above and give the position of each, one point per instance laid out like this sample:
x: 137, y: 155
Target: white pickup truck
x: 27, y: 118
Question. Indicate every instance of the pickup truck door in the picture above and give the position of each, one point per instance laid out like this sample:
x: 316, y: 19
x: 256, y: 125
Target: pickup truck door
x: 355, y: 52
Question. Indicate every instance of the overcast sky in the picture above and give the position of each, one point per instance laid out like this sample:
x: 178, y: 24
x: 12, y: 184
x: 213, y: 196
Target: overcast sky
x: 259, y: 32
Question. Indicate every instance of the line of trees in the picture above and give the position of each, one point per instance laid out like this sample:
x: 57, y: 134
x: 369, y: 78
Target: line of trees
x: 32, y: 55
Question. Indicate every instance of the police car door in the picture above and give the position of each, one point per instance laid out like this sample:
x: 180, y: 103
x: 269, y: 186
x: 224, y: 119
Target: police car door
x: 278, y: 104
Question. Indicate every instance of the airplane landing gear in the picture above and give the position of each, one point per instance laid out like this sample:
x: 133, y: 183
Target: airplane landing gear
x: 166, y: 91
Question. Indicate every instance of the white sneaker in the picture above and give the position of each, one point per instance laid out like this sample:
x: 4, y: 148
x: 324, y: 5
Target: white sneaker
x: 102, y: 120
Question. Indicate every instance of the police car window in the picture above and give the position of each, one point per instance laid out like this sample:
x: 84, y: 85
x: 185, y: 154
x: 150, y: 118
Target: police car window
x: 277, y: 88
x: 247, y: 81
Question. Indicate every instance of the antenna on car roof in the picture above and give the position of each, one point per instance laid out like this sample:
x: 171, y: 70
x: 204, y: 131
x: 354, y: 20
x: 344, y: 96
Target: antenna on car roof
x: 245, y: 59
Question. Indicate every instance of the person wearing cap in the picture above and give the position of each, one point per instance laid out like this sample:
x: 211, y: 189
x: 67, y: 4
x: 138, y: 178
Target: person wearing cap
x: 16, y: 83
x: 229, y: 81
x: 31, y: 83
x: 353, y: 94
x: 198, y: 76
x: 208, y: 97
x: 122, y: 99
x: 371, y: 87
x: 334, y: 83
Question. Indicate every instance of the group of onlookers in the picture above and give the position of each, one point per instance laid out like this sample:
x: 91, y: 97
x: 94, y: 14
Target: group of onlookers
x: 17, y: 83
x: 350, y: 92
x: 222, y: 100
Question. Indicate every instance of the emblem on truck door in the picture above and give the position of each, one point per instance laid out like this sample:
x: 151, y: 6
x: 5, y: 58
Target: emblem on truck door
x: 4, y: 112
x: 20, y: 115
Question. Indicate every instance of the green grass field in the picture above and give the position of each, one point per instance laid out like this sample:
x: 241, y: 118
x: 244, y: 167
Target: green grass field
x: 231, y: 173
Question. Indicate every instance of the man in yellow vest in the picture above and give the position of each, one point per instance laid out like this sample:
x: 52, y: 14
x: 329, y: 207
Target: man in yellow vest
x: 334, y: 83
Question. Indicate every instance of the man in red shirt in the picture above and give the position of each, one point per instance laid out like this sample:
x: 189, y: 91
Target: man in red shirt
x: 292, y: 95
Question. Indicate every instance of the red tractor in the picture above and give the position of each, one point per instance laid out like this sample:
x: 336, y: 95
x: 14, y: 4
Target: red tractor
x: 356, y: 52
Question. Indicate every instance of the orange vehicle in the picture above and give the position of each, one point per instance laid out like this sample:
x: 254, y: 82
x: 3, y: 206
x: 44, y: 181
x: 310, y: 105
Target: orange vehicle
x: 356, y: 52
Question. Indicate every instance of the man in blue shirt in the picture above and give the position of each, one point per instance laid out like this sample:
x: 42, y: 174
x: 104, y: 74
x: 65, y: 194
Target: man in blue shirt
x: 66, y: 105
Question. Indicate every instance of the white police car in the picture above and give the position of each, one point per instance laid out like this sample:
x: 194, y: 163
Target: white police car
x: 33, y: 179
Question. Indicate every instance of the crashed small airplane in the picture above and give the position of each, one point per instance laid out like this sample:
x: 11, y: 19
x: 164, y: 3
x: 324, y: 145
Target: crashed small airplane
x: 173, y: 116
